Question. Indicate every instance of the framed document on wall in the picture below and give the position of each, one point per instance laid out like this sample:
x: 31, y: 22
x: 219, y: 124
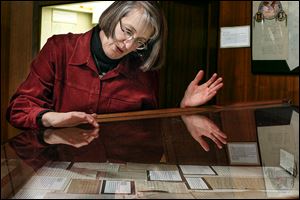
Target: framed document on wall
x: 243, y: 153
x: 275, y: 37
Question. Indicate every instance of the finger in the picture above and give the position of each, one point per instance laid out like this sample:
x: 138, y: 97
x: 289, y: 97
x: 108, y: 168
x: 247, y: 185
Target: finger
x: 215, y: 83
x: 220, y: 134
x: 216, y: 131
x: 217, y: 87
x: 90, y: 138
x: 95, y: 123
x: 216, y: 141
x: 76, y: 118
x: 94, y: 133
x: 198, y: 77
x: 220, y: 138
x: 79, y: 118
x: 210, y: 95
x: 84, y: 134
x: 213, y: 90
x: 88, y: 132
x: 203, y: 144
x: 87, y: 136
x: 91, y: 120
x: 211, y: 80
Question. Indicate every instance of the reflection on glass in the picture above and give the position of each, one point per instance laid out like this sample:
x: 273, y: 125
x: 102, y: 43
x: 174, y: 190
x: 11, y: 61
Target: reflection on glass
x: 73, y: 136
x: 278, y: 178
x: 130, y: 149
x: 199, y: 126
x: 119, y: 142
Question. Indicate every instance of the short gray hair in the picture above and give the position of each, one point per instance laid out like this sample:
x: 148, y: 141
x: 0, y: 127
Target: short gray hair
x: 154, y: 56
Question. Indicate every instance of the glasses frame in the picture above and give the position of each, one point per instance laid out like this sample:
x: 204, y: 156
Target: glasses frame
x: 129, y: 36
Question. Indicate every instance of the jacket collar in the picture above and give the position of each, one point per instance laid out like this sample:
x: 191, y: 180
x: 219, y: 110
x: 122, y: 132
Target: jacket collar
x: 125, y: 67
x: 82, y: 53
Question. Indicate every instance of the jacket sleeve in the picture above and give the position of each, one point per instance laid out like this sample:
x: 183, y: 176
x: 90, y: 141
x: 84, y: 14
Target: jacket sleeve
x: 34, y: 95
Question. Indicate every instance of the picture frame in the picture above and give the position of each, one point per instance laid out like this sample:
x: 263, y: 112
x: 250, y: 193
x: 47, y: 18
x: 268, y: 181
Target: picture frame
x: 243, y: 153
x: 235, y: 37
x: 118, y: 187
x: 275, y: 37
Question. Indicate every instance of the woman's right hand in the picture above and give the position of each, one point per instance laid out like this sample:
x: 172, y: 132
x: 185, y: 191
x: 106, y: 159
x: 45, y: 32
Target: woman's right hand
x: 68, y: 119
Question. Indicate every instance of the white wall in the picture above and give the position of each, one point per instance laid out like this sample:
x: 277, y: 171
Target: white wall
x: 56, y: 21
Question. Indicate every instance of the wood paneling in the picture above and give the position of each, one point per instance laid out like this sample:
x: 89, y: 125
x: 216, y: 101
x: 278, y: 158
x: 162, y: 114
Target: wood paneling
x: 240, y: 125
x: 187, y: 47
x: 5, y: 35
x: 20, y: 43
x: 234, y: 65
x: 16, y: 51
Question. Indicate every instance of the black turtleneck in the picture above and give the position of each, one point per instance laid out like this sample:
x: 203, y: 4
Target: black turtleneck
x: 103, y: 63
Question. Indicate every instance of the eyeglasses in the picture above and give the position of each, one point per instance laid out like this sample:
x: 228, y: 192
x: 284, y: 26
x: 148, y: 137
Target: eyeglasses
x: 128, y: 34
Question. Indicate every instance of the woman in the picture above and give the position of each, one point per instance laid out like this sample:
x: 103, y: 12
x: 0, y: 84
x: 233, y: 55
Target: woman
x: 107, y: 69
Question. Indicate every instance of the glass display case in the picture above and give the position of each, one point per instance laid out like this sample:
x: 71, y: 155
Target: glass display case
x: 238, y: 151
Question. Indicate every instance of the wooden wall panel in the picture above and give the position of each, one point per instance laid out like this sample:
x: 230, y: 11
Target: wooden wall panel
x: 239, y: 125
x: 20, y: 43
x: 5, y: 35
x: 234, y: 65
x: 187, y: 47
x: 17, y: 53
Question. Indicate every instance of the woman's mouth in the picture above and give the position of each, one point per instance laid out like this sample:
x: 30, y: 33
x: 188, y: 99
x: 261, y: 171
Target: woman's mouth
x: 119, y: 50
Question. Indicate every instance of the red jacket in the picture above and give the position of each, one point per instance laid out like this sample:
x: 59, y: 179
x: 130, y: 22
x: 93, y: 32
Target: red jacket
x: 63, y: 77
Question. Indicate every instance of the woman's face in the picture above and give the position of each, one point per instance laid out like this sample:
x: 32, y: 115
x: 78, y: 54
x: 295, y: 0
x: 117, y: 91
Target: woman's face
x: 131, y: 33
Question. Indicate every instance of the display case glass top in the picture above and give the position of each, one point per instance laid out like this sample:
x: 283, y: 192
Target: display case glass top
x: 241, y: 151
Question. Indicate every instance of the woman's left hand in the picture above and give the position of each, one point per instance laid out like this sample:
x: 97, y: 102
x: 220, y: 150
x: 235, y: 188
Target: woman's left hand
x: 196, y: 95
x: 200, y: 126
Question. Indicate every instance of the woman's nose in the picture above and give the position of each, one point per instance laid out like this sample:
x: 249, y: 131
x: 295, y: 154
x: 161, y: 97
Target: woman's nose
x: 129, y: 44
